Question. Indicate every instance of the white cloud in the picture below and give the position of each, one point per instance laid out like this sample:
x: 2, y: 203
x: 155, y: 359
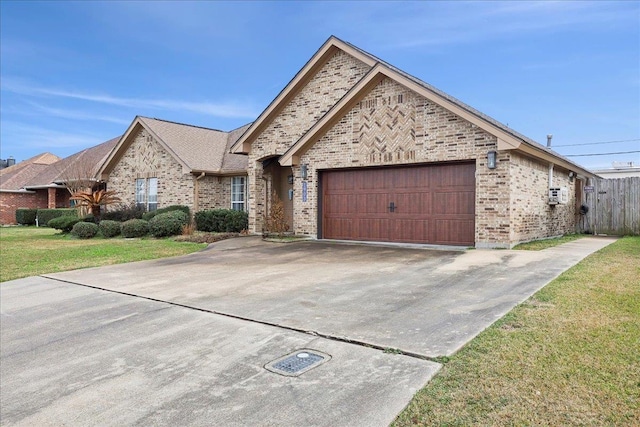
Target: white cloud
x: 439, y: 24
x: 39, y: 139
x: 226, y: 110
x: 76, y: 115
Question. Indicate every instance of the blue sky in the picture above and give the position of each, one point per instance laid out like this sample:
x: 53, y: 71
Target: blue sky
x: 75, y: 74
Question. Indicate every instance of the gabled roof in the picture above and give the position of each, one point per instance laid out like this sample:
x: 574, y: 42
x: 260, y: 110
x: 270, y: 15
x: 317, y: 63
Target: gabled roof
x: 327, y: 50
x: 197, y: 149
x: 17, y: 176
x: 508, y: 139
x: 82, y: 165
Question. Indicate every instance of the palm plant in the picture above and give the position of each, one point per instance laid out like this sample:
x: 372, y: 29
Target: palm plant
x: 94, y: 200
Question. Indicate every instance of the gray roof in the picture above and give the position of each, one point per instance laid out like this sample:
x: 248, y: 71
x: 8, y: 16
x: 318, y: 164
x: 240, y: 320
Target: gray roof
x: 199, y: 148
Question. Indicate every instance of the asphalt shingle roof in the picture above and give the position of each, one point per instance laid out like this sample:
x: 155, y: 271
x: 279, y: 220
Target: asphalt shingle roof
x: 199, y: 148
x: 17, y: 176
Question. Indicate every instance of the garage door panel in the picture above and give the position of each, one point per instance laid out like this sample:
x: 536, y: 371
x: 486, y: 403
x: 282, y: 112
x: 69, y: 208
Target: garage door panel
x: 453, y: 203
x: 453, y: 232
x: 411, y: 203
x: 412, y: 230
x: 375, y: 229
x: 433, y: 204
x: 341, y: 228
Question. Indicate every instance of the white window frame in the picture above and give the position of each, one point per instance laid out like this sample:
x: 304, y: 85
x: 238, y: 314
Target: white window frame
x: 146, y: 193
x: 239, y: 193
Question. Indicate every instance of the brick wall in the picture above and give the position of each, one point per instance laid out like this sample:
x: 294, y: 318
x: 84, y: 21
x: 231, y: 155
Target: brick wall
x: 10, y: 201
x: 146, y: 158
x: 531, y: 215
x: 215, y: 192
x: 392, y: 125
x: 324, y: 89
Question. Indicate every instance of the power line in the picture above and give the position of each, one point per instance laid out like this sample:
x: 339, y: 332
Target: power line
x: 600, y: 154
x: 596, y: 143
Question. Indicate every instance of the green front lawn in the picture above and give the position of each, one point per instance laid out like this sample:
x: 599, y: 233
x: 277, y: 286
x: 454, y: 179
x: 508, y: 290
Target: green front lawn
x: 570, y: 355
x: 29, y: 251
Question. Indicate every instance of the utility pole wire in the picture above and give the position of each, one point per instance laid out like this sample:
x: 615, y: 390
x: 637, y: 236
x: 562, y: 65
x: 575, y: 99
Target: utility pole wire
x: 596, y: 143
x: 600, y: 154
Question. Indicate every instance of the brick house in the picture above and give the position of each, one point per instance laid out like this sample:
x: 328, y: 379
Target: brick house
x: 159, y: 163
x: 39, y: 182
x: 359, y: 150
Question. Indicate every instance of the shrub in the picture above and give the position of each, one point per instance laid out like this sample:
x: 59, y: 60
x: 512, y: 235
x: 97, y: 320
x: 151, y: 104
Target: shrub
x: 149, y: 215
x: 124, y: 213
x: 26, y: 216
x: 46, y: 215
x: 85, y: 230
x: 221, y: 221
x: 168, y: 223
x: 236, y: 221
x: 109, y: 228
x: 134, y: 228
x: 89, y: 218
x: 63, y: 223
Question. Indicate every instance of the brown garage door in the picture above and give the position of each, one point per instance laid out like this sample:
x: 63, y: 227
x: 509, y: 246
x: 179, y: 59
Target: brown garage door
x: 418, y: 204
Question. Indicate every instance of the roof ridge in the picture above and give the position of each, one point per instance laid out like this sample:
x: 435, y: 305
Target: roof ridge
x: 183, y: 124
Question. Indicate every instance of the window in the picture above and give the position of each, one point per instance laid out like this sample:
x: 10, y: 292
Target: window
x: 147, y: 193
x: 238, y: 192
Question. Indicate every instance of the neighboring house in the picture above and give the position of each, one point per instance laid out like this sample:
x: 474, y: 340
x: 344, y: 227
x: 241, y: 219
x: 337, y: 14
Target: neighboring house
x: 619, y: 170
x: 12, y: 181
x: 360, y: 150
x: 40, y: 182
x: 158, y: 163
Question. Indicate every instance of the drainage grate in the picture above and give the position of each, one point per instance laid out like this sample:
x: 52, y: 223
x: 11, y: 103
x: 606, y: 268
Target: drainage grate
x: 298, y: 362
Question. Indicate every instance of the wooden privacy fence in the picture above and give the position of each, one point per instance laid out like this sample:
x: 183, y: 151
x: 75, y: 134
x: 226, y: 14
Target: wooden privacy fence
x: 614, y: 206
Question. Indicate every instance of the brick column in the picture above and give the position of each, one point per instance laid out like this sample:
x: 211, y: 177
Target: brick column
x: 51, y: 203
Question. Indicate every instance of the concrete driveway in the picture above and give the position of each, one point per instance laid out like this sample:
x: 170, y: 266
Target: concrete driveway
x: 422, y: 302
x: 185, y: 341
x: 76, y: 356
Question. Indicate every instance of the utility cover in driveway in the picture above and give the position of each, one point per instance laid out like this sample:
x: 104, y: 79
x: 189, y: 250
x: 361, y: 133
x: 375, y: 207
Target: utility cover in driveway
x: 419, y: 204
x: 297, y: 363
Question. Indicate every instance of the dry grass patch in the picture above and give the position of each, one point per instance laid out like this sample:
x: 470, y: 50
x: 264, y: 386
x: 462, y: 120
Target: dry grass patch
x: 567, y: 356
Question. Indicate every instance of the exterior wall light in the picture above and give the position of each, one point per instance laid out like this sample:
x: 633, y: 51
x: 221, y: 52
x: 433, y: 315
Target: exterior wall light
x: 303, y: 171
x: 492, y: 158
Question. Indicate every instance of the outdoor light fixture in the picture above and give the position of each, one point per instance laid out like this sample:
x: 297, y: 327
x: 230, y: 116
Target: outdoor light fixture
x: 571, y: 176
x: 303, y: 171
x: 491, y: 159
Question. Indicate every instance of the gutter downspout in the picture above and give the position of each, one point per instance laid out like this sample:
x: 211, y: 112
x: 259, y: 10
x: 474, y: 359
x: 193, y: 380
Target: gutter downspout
x: 196, y: 191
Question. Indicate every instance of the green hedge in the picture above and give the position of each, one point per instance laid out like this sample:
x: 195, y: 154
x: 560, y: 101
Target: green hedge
x: 85, y: 230
x: 63, y: 223
x: 222, y: 220
x: 135, y: 228
x: 123, y: 213
x: 168, y: 223
x: 147, y: 216
x: 26, y: 216
x: 45, y: 215
x: 109, y: 228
